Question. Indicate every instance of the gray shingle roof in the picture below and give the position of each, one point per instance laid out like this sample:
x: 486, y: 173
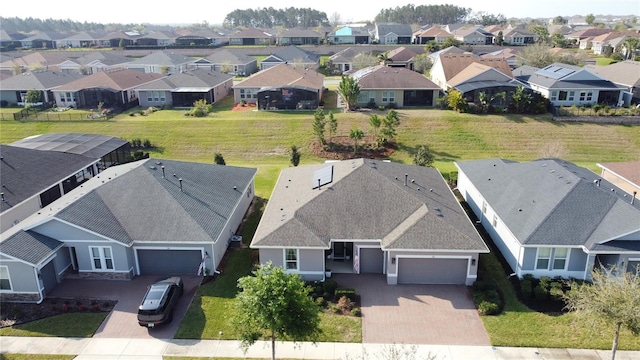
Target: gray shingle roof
x: 30, y: 247
x: 91, y: 145
x: 26, y: 173
x: 553, y: 202
x: 292, y: 54
x: 226, y: 56
x: 142, y: 206
x: 38, y: 80
x: 195, y: 79
x: 162, y: 58
x: 366, y: 200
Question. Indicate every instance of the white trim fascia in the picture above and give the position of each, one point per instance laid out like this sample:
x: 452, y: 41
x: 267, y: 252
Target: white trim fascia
x: 88, y: 231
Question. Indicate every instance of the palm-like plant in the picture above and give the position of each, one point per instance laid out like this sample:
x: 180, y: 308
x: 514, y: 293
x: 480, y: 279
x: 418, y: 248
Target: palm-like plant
x: 349, y: 89
x: 356, y: 135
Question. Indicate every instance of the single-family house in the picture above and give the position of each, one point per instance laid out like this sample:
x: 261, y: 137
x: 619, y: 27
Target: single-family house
x: 81, y: 40
x: 281, y: 87
x: 518, y: 36
x: 550, y: 217
x: 157, y: 217
x: 400, y: 87
x: 41, y: 60
x: 183, y: 89
x: 586, y: 34
x: 41, y: 40
x: 292, y: 55
x: 566, y: 85
x: 343, y: 60
x: 449, y: 65
x: 161, y: 62
x: 434, y: 33
x: 111, y: 88
x: 95, y: 61
x: 228, y: 62
x: 202, y: 37
x: 472, y: 35
x: 156, y: 38
x: 625, y: 73
x: 350, y: 35
x: 400, y: 57
x: 392, y: 33
x: 252, y: 37
x: 119, y: 39
x: 299, y: 37
x: 7, y: 41
x: 625, y: 175
x: 479, y: 78
x: 450, y: 50
x: 368, y: 216
x: 14, y: 89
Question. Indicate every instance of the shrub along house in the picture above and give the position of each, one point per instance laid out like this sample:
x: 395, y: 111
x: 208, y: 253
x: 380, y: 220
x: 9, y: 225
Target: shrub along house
x: 549, y: 217
x: 155, y: 217
x: 364, y: 216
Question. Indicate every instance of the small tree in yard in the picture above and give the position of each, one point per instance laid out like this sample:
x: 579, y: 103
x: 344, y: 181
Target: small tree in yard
x: 295, y: 156
x: 455, y: 100
x: 275, y: 304
x: 333, y: 126
x: 389, y: 125
x: 349, y: 89
x: 33, y: 96
x: 319, y: 124
x: 613, y: 298
x: 356, y: 135
x: 423, y: 156
x: 375, y: 121
x: 218, y: 159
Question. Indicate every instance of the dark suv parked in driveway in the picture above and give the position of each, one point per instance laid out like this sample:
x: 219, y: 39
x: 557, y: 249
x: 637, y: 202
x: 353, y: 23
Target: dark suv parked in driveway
x: 159, y: 301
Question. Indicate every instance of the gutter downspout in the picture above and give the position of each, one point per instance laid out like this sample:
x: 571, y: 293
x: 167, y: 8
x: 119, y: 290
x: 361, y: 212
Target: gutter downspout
x: 40, y: 289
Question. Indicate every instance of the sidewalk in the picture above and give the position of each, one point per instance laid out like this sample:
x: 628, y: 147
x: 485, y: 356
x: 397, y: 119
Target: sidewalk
x: 155, y: 349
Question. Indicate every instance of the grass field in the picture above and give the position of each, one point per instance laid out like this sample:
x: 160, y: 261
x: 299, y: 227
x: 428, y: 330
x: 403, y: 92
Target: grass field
x: 262, y: 139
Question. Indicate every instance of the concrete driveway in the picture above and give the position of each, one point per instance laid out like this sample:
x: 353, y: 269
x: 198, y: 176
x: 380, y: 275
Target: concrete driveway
x: 415, y: 314
x: 122, y: 322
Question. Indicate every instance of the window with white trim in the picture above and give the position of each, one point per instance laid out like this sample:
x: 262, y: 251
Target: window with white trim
x: 5, y: 280
x: 571, y: 95
x: 554, y: 95
x: 363, y: 97
x: 542, y: 258
x: 101, y: 257
x: 560, y: 258
x: 291, y: 259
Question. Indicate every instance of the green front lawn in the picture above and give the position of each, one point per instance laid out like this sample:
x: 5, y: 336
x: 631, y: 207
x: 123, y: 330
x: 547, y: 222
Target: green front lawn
x: 65, y: 325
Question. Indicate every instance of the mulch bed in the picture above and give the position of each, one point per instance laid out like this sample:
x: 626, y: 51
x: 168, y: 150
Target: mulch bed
x: 20, y: 313
x: 245, y: 107
x: 341, y: 148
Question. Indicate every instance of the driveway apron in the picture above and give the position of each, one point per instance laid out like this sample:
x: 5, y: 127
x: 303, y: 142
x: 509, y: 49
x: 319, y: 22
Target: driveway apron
x: 122, y: 322
x: 415, y: 314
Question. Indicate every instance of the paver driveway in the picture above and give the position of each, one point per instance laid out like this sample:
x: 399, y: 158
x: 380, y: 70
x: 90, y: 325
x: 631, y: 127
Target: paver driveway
x: 122, y: 322
x: 415, y: 314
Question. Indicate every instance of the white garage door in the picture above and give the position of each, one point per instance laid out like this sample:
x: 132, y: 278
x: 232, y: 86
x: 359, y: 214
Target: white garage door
x: 153, y: 262
x: 432, y: 271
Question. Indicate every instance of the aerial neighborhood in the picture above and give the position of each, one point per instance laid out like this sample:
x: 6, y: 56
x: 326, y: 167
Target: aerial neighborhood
x: 84, y: 199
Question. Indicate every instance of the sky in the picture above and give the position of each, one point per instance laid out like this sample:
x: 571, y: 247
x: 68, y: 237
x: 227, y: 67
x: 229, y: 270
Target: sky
x: 214, y: 11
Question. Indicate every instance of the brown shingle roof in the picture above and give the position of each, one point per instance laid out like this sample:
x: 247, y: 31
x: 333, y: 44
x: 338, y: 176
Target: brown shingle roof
x: 452, y: 64
x: 629, y: 170
x: 121, y: 79
x: 383, y: 77
x: 283, y: 74
x: 401, y: 54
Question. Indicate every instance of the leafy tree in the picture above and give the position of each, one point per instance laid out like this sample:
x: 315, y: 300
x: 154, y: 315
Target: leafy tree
x: 486, y: 19
x: 558, y: 40
x: 277, y: 304
x: 349, y: 89
x: 375, y: 121
x: 218, y: 159
x: 423, y: 156
x: 559, y: 20
x: 536, y: 55
x: 389, y: 125
x: 356, y: 135
x: 16, y: 68
x: 431, y: 46
x: 500, y: 38
x: 295, y: 156
x: 451, y: 41
x: 521, y: 100
x: 422, y: 64
x: 455, y: 100
x: 33, y: 96
x: 424, y: 14
x: 383, y: 58
x: 333, y: 125
x: 542, y: 33
x: 589, y: 19
x: 364, y: 60
x: 631, y: 45
x: 613, y: 298
x: 319, y: 124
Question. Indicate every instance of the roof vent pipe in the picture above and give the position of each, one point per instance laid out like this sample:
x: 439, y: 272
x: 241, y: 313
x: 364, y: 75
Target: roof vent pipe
x: 180, y: 180
x: 406, y: 177
x: 632, y: 199
x: 319, y: 184
x: 3, y: 200
x: 162, y: 167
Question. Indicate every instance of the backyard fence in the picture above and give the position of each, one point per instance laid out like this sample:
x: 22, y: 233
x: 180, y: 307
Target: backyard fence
x: 32, y: 115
